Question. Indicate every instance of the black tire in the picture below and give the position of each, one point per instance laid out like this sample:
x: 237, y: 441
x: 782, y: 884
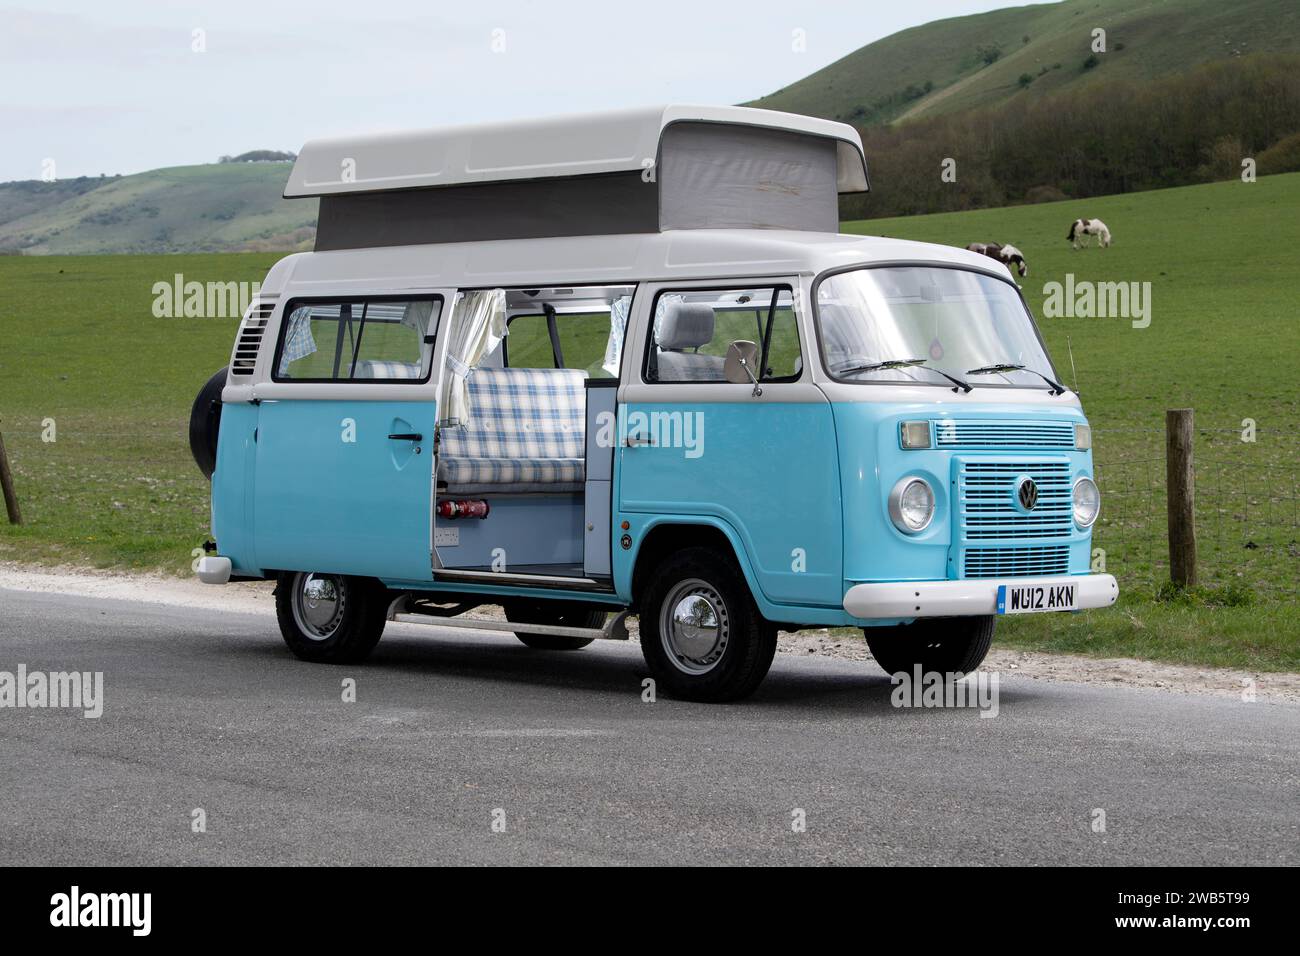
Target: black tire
x: 205, y: 423
x: 945, y: 645
x: 557, y: 614
x: 353, y: 629
x: 743, y: 645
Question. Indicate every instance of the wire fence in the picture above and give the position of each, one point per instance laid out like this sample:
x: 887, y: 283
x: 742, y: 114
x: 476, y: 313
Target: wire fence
x: 1247, y: 506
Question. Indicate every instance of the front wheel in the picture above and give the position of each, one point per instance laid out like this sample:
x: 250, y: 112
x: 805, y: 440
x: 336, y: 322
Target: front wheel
x: 330, y: 618
x: 701, y: 632
x: 944, y: 645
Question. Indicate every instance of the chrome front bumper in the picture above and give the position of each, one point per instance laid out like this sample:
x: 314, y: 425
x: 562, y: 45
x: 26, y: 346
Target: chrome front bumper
x: 970, y: 597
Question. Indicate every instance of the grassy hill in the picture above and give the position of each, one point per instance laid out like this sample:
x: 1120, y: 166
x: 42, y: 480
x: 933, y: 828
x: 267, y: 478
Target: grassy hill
x: 217, y: 207
x: 943, y: 67
x: 28, y: 196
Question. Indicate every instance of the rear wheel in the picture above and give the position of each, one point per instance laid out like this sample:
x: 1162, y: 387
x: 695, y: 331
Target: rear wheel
x: 330, y: 618
x: 701, y: 632
x: 555, y: 614
x: 946, y: 645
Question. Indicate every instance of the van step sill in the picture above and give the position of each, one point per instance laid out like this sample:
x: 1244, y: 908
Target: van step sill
x: 615, y: 628
x: 543, y: 580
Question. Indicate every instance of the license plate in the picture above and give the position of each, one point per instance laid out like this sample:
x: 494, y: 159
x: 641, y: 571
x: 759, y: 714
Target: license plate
x: 1036, y: 598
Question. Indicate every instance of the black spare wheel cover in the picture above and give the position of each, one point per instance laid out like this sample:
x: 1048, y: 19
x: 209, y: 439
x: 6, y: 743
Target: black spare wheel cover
x: 205, y: 421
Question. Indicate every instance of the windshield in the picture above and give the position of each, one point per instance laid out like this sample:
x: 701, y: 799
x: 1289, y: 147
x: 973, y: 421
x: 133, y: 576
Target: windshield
x: 954, y: 320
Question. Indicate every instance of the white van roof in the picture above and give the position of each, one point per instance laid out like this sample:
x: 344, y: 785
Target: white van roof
x: 547, y: 148
x: 585, y: 260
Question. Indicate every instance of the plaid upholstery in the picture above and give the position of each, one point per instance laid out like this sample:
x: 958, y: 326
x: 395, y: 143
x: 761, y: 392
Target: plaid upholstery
x: 509, y: 474
x: 299, y: 342
x: 526, y: 432
x: 373, y: 368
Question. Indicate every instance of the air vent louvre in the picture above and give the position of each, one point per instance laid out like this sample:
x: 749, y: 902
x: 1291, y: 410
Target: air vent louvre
x: 961, y: 433
x: 249, y: 340
x: 1016, y: 562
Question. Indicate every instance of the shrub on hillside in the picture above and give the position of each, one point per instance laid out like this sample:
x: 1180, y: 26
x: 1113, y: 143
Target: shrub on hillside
x: 1282, y: 157
x: 1222, y: 160
x: 1114, y: 136
x: 260, y: 156
x: 1037, y: 194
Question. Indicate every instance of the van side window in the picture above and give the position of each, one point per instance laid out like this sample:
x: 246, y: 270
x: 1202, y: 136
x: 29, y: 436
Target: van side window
x: 693, y: 329
x: 378, y: 340
x: 577, y: 327
x: 582, y: 340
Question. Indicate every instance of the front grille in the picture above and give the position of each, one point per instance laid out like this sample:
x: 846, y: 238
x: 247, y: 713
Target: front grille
x: 951, y: 433
x: 1016, y: 562
x: 986, y: 503
x: 993, y: 537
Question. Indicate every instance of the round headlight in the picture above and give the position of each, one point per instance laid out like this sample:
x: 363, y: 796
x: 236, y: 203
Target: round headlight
x: 1087, y: 502
x: 911, y: 505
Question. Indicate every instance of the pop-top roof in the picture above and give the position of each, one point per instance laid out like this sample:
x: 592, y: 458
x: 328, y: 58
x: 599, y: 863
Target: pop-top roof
x: 550, y: 148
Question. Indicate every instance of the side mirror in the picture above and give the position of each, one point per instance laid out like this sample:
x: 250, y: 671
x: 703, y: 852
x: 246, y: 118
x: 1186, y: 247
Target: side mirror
x: 741, y: 361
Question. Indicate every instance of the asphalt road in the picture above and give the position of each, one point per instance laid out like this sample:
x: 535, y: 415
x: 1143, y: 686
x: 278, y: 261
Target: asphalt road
x: 208, y: 710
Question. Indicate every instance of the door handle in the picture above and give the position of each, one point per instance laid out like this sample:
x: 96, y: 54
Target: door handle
x: 406, y: 436
x: 634, y: 440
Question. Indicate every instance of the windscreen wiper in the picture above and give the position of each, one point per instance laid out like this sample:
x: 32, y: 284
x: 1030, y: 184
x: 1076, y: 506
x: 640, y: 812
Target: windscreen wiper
x: 1056, y: 387
x: 905, y: 363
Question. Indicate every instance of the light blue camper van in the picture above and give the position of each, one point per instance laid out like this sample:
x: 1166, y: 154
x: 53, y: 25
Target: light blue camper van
x: 624, y: 364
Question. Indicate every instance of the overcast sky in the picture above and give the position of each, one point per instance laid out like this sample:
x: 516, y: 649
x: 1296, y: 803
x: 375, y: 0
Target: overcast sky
x: 117, y: 86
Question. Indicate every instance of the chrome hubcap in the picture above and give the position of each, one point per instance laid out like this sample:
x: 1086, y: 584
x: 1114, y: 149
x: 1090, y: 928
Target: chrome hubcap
x: 318, y: 601
x: 694, y: 626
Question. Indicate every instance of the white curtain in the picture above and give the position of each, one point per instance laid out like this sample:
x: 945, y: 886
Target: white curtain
x: 416, y: 315
x: 476, y: 327
x: 617, y: 329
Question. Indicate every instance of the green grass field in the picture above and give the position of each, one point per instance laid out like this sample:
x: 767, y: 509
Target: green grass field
x: 118, y: 489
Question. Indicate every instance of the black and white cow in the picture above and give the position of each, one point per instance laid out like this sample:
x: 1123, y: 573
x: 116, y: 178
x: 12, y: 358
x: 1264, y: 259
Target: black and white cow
x: 1081, y: 229
x: 1008, y: 255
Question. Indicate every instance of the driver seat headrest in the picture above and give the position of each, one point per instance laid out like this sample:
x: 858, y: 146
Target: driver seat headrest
x: 686, y: 325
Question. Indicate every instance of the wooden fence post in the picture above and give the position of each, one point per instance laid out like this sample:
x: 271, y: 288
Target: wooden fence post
x: 1180, y: 471
x: 7, y: 486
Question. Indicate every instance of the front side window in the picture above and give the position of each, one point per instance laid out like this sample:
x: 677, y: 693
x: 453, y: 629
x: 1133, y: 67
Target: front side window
x: 693, y: 328
x: 378, y: 340
x: 910, y: 323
